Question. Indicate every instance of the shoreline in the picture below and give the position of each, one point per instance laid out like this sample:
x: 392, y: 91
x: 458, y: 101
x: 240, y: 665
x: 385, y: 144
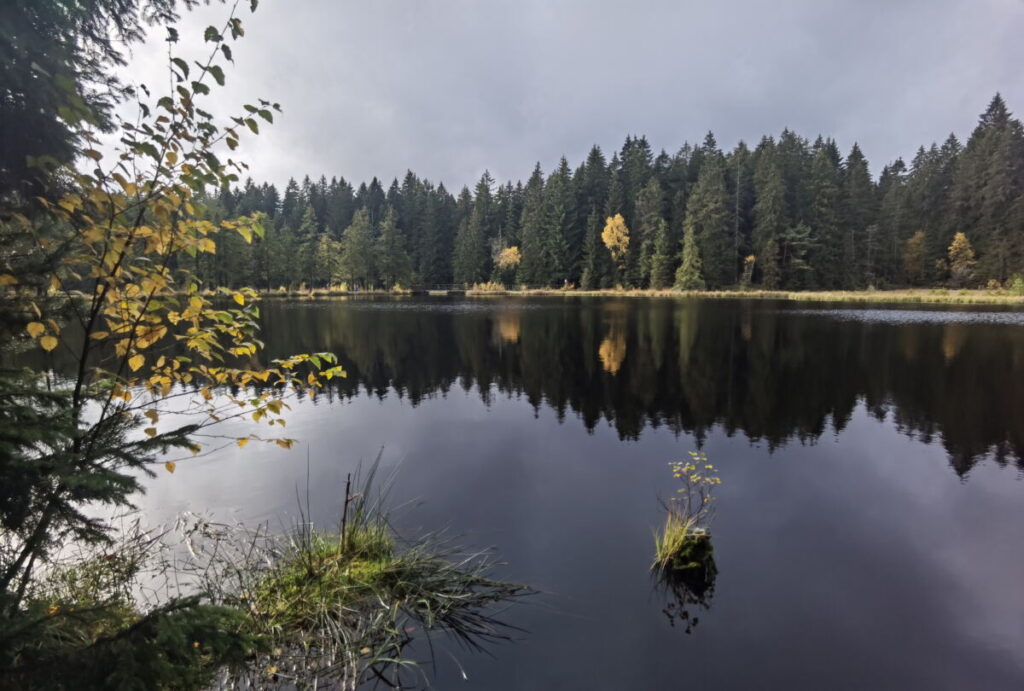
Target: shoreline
x: 935, y: 296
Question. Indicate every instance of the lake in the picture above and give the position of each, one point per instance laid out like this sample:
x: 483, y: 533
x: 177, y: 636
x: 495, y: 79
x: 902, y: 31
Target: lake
x: 870, y: 517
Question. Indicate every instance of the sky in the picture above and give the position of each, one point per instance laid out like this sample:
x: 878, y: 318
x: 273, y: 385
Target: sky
x: 450, y: 88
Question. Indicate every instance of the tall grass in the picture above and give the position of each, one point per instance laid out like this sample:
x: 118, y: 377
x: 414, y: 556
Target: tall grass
x: 338, y: 608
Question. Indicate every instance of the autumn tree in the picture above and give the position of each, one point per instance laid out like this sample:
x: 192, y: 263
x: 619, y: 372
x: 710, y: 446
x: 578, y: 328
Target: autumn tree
x: 507, y: 262
x: 615, y: 237
x: 114, y: 243
x: 961, y: 261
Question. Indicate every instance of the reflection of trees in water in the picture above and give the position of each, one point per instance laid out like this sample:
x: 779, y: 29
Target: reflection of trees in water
x: 612, y: 350
x: 508, y: 326
x: 692, y: 364
x: 689, y: 587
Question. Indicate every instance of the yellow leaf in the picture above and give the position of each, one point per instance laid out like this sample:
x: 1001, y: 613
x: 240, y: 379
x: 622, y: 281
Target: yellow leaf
x: 150, y: 431
x: 239, y: 298
x: 48, y: 343
x: 35, y: 329
x: 152, y: 415
x: 99, y: 335
x: 136, y: 361
x: 170, y: 465
x: 284, y: 443
x: 8, y: 280
x: 242, y: 442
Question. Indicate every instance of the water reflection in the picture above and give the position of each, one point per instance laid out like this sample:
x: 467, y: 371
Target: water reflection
x: 690, y: 585
x: 772, y: 373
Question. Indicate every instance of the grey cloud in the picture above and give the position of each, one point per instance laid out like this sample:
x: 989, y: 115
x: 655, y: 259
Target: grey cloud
x: 450, y: 88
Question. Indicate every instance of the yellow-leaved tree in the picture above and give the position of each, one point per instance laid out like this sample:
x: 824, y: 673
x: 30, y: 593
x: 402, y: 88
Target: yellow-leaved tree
x: 961, y: 261
x: 615, y: 237
x: 138, y: 363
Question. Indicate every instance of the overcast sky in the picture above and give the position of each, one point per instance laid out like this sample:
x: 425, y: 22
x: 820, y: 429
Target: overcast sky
x: 449, y: 88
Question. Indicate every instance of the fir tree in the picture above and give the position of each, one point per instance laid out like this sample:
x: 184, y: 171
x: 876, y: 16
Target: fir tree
x: 826, y: 257
x: 356, y: 261
x: 531, y: 268
x: 596, y: 259
x: 707, y: 213
x: 689, y: 275
x: 649, y: 219
x: 663, y: 260
x: 392, y: 260
x: 858, y: 214
x: 557, y: 218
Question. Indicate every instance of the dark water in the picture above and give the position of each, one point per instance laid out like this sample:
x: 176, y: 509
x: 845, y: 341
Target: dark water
x: 870, y: 518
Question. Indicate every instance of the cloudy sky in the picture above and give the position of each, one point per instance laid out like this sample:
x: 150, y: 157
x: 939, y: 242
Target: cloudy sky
x: 450, y: 88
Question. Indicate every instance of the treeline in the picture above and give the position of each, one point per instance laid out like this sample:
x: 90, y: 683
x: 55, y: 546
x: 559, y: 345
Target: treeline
x: 789, y: 214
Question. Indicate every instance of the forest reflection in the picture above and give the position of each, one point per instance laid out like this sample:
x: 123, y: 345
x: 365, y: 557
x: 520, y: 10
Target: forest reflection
x: 771, y: 373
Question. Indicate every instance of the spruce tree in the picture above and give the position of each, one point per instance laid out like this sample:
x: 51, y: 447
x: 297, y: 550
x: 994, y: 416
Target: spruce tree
x: 596, y: 260
x: 707, y: 213
x: 531, y: 268
x: 988, y: 191
x: 649, y: 205
x: 557, y: 219
x: 393, y: 264
x: 663, y: 260
x: 770, y: 208
x: 307, y: 238
x: 356, y: 262
x: 826, y: 258
x: 858, y: 215
x: 689, y: 275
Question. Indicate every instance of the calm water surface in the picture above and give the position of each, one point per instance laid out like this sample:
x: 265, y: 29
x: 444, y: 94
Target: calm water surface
x: 870, y: 517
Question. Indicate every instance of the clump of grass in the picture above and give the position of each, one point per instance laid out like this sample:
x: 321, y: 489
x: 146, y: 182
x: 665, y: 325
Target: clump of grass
x: 340, y: 608
x: 672, y: 543
x: 688, y: 513
x: 684, y: 562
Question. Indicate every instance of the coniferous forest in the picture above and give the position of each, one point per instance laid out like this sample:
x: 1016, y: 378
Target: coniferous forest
x: 789, y: 213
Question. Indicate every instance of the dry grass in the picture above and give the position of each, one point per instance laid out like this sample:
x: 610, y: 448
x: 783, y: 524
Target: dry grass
x: 940, y: 296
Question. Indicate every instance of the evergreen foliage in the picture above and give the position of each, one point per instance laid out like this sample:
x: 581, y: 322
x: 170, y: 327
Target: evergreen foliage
x: 814, y: 219
x: 689, y: 275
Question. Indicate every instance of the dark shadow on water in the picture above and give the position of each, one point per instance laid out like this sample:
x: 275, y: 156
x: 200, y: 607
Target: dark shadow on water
x: 688, y: 584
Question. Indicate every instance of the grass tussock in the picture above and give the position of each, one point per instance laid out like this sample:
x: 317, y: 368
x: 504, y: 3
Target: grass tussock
x: 684, y: 562
x: 339, y: 608
x: 674, y: 543
x: 688, y: 513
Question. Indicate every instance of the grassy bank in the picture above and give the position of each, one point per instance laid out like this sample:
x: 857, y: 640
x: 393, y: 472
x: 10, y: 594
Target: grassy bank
x: 309, y: 608
x: 940, y: 296
x: 936, y: 296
